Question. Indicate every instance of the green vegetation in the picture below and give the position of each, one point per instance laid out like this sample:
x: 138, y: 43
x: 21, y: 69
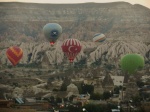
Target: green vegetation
x: 106, y: 95
x: 31, y: 65
x: 87, y: 89
x: 96, y: 96
x: 100, y: 107
x: 117, y: 89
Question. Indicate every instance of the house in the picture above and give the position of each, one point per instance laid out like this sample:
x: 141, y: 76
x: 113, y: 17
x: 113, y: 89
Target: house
x: 145, y: 78
x: 118, y: 80
x: 32, y: 103
x: 83, y: 98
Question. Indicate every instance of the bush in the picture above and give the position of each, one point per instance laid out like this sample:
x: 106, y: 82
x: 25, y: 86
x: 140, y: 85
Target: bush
x: 96, y: 96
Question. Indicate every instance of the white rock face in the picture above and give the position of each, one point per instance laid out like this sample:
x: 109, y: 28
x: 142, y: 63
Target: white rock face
x: 97, y: 54
x: 148, y: 53
x: 17, y: 92
x: 27, y: 49
x: 106, y: 51
x: 3, y: 57
x: 120, y: 48
x: 55, y: 54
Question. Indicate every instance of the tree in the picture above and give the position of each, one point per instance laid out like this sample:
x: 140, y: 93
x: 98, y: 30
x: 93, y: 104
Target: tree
x: 52, y: 99
x: 58, y: 100
x: 71, y: 97
x: 94, y: 108
x: 116, y: 90
x: 65, y: 99
x: 63, y: 87
x: 111, y: 106
x: 87, y: 89
x: 136, y: 100
x: 15, y: 84
x: 96, y: 96
x: 140, y: 83
x: 106, y: 95
x: 73, y: 108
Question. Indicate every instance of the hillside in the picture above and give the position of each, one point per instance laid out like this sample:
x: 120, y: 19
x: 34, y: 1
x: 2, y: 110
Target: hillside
x: 126, y: 27
x: 119, y: 20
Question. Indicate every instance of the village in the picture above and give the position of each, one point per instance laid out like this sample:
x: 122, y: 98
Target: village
x: 61, y: 93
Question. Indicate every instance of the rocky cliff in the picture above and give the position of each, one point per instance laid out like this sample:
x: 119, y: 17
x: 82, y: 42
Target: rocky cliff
x: 107, y: 52
x: 119, y: 20
x: 126, y: 27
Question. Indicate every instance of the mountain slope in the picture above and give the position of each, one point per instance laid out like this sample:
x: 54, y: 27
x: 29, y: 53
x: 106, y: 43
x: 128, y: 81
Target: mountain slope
x: 119, y: 20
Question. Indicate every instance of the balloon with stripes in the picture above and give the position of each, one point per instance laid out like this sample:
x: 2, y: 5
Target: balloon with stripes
x: 99, y: 37
x: 71, y: 48
x: 14, y: 54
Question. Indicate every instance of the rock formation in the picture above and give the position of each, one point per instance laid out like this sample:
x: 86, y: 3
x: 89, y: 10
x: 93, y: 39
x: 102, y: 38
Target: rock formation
x: 72, y: 88
x: 98, y: 87
x: 107, y: 83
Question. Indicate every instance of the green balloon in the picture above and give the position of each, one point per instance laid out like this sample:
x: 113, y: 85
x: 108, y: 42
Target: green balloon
x: 130, y: 63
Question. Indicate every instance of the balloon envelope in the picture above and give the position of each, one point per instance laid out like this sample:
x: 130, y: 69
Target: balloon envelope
x: 71, y: 48
x: 132, y: 62
x: 52, y: 32
x: 99, y: 37
x: 14, y: 54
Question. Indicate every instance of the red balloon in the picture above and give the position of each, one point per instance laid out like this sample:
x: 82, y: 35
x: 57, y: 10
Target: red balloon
x: 14, y: 54
x: 71, y: 48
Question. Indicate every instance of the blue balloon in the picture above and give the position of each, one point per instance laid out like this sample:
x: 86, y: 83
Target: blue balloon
x: 52, y: 32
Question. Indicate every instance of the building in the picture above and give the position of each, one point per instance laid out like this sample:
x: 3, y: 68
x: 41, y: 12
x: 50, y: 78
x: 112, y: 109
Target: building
x: 118, y: 80
x: 83, y: 98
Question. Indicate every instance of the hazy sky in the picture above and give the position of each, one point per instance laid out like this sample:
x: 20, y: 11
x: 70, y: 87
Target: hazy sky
x: 142, y: 2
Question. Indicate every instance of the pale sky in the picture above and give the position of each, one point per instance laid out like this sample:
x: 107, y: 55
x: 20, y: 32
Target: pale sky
x: 142, y: 2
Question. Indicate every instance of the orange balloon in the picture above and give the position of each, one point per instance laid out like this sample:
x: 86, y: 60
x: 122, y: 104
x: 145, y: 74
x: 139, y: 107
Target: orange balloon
x: 14, y: 54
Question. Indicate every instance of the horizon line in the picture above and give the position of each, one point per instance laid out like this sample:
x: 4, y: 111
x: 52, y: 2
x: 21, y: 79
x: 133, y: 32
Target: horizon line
x: 75, y: 3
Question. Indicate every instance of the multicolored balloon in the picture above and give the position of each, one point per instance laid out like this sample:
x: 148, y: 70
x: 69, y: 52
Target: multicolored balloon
x: 52, y: 32
x: 71, y: 48
x: 132, y: 62
x: 14, y: 54
x: 99, y: 37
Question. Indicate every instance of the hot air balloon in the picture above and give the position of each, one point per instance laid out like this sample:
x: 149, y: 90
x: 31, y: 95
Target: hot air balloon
x: 99, y: 37
x: 52, y: 32
x: 71, y: 48
x: 130, y: 63
x: 14, y: 54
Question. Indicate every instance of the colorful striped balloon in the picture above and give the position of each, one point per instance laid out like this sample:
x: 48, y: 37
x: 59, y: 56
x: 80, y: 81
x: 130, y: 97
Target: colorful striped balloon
x: 14, y: 54
x: 71, y: 48
x: 99, y: 37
